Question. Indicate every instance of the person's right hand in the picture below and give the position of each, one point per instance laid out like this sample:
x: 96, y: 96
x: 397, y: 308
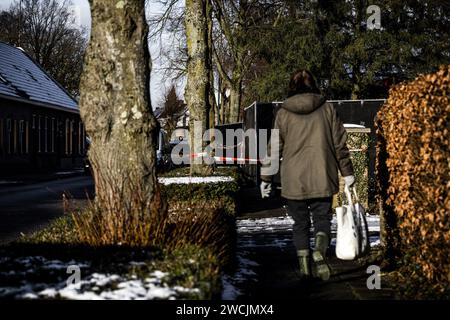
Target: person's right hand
x: 266, y: 188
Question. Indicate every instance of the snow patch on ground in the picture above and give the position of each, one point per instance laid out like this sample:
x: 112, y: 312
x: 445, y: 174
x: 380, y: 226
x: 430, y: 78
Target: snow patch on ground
x: 277, y: 232
x: 114, y: 287
x: 188, y: 180
x: 93, y: 286
x: 274, y: 224
x: 285, y: 223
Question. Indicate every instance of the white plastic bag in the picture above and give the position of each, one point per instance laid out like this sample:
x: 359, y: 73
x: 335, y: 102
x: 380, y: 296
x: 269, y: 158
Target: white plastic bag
x: 352, y: 239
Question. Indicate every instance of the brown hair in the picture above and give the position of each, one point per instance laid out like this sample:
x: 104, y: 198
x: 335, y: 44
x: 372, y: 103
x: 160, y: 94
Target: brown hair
x: 302, y: 81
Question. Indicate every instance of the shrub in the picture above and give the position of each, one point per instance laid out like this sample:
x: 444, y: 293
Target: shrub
x: 131, y: 225
x: 358, y: 144
x: 222, y: 193
x: 201, y: 223
x: 60, y: 231
x: 413, y: 173
x: 192, y: 267
x: 202, y: 214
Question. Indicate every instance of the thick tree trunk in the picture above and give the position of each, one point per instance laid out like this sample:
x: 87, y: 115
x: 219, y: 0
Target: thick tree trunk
x: 235, y: 101
x: 115, y: 107
x: 198, y: 80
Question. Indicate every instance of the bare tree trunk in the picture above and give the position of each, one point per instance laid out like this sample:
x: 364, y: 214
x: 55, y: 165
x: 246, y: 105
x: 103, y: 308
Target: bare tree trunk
x: 227, y: 107
x: 212, y: 99
x: 198, y: 80
x: 219, y: 119
x: 235, y: 102
x: 115, y: 107
x: 223, y: 106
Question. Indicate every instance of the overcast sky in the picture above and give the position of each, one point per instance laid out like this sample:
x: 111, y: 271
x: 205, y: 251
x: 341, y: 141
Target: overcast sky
x: 158, y: 85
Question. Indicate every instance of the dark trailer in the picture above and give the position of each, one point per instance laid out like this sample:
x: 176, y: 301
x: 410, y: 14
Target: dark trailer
x: 40, y: 126
x: 261, y: 115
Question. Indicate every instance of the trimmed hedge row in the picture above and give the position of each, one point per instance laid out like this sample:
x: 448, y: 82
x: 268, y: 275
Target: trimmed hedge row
x: 358, y: 144
x: 205, y: 214
x: 218, y: 192
x: 413, y: 173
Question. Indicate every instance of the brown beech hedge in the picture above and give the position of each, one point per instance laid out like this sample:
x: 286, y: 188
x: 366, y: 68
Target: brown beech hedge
x: 413, y: 174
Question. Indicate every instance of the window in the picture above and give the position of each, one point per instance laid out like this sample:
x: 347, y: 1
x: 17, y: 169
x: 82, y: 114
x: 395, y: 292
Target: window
x: 21, y: 136
x: 46, y: 134
x: 8, y: 135
x: 53, y: 135
x: 71, y: 137
x: 67, y: 140
x: 33, y: 126
x: 15, y: 129
x: 81, y: 138
x: 2, y: 146
x: 27, y: 141
x: 39, y: 134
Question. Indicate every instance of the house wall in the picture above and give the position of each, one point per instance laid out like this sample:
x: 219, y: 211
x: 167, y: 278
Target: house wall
x: 34, y: 138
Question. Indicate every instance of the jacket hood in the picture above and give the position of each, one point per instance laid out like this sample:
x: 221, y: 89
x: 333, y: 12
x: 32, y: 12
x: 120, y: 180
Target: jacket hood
x: 303, y: 103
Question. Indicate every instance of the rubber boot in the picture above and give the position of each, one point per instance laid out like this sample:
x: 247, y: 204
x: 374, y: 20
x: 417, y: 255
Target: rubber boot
x: 321, y: 268
x: 303, y: 260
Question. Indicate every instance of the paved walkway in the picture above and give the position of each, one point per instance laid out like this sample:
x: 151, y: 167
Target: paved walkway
x: 268, y: 264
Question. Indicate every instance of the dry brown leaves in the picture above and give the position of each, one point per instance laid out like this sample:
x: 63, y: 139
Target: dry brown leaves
x: 415, y: 125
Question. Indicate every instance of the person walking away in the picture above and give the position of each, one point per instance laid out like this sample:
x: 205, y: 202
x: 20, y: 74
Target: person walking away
x: 312, y: 144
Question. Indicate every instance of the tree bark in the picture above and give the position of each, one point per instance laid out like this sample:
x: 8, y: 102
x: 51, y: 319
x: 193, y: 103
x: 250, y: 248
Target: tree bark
x: 235, y: 102
x: 198, y: 80
x: 212, y: 99
x: 116, y: 110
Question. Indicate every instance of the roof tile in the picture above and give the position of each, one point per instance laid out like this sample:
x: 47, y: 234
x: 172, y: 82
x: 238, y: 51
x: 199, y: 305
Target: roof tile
x: 21, y: 77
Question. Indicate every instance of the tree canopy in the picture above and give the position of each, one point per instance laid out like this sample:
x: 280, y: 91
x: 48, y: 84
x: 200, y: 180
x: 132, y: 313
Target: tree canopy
x: 45, y: 30
x: 350, y: 60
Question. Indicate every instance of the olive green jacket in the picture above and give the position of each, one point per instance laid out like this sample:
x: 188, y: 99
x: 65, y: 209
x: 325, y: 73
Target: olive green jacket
x: 312, y: 145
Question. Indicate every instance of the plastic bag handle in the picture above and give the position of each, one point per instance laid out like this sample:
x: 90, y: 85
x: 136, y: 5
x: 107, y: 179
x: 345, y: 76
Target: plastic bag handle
x: 355, y: 193
x: 348, y: 194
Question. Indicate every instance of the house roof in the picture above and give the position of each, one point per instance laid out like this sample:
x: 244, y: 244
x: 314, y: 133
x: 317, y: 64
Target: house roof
x: 21, y: 78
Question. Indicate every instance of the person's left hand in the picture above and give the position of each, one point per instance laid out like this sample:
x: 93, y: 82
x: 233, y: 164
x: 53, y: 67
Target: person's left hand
x: 266, y: 188
x: 349, y: 181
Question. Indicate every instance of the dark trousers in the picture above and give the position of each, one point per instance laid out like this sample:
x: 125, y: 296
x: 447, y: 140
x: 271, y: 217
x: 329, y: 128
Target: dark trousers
x: 300, y: 211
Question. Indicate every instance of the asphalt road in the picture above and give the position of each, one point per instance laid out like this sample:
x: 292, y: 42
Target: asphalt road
x: 28, y: 208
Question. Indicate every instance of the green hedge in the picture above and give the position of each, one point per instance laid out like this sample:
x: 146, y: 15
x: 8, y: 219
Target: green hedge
x: 358, y: 144
x: 219, y: 192
x: 206, y: 206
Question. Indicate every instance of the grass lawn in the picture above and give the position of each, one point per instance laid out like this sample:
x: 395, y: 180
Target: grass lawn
x: 55, y: 264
